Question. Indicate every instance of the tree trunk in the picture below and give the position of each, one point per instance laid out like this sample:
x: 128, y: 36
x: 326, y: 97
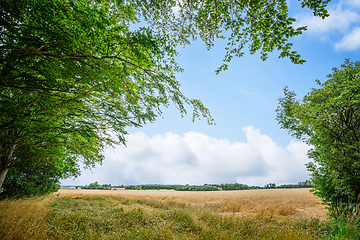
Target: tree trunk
x: 3, y: 175
x: 5, y: 164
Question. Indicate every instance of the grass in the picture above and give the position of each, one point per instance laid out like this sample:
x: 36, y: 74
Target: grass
x: 88, y: 216
x: 295, y: 203
x: 346, y: 222
x: 23, y: 218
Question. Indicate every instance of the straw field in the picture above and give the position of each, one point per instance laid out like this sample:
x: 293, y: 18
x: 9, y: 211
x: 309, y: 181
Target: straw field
x: 116, y: 214
x: 297, y: 203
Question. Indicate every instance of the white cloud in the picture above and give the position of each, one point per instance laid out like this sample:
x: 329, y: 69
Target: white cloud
x: 353, y: 3
x: 196, y: 158
x: 349, y: 42
x: 339, y: 20
x: 340, y: 28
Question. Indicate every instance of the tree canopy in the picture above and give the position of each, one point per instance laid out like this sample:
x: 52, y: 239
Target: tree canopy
x: 328, y: 120
x: 74, y: 72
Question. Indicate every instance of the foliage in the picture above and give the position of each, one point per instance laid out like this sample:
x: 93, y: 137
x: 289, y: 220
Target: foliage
x: 138, y: 187
x: 231, y: 186
x: 261, y: 25
x: 270, y: 185
x: 39, y: 178
x: 97, y: 186
x: 343, y: 227
x: 75, y: 73
x: 215, y: 187
x: 345, y: 222
x: 204, y: 187
x: 306, y: 184
x: 43, y: 175
x: 328, y: 119
x: 152, y: 186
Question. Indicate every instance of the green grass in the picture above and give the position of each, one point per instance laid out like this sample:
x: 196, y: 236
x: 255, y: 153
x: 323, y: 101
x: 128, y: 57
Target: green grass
x: 117, y: 217
x: 345, y: 228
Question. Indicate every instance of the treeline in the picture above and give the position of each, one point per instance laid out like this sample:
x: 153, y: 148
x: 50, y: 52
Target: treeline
x: 232, y: 186
x: 95, y: 185
x: 151, y: 187
x: 205, y: 187
x: 308, y: 185
x: 305, y: 184
x: 187, y: 187
x: 215, y: 187
x: 238, y: 186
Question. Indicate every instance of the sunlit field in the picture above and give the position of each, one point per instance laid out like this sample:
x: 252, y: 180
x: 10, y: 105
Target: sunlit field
x: 116, y: 214
x: 294, y: 203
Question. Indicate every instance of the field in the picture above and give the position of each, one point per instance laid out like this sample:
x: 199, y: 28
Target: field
x: 294, y: 203
x: 119, y: 214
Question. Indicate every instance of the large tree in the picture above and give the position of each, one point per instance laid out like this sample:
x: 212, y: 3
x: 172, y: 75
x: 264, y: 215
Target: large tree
x: 40, y: 176
x: 328, y: 119
x: 74, y: 71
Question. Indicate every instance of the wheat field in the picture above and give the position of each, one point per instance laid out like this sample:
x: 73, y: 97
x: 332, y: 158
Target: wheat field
x: 119, y: 214
x: 295, y: 203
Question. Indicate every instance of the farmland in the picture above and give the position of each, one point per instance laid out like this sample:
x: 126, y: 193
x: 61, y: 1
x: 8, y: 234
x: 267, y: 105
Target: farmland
x: 295, y: 203
x: 119, y: 214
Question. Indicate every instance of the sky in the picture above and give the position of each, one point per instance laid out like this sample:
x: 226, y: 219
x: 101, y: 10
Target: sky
x: 246, y: 145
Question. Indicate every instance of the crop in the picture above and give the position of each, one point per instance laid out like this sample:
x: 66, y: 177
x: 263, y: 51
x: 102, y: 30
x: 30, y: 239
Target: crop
x: 171, y: 215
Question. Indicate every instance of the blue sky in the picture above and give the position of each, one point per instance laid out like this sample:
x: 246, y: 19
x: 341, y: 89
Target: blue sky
x: 246, y: 145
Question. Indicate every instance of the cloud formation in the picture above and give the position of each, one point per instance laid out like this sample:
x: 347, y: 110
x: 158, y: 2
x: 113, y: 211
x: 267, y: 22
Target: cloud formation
x: 343, y: 20
x: 350, y: 42
x: 196, y: 158
x: 339, y: 20
x: 353, y: 3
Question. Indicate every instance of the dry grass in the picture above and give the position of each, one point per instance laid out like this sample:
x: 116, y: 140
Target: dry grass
x: 23, y: 218
x: 282, y: 203
x: 78, y: 214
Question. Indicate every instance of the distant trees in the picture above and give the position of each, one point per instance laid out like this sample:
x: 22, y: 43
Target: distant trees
x: 95, y: 185
x: 232, y: 186
x: 328, y: 119
x: 214, y: 187
x: 138, y: 187
x: 152, y: 186
x: 305, y: 184
x: 270, y: 185
x: 204, y: 187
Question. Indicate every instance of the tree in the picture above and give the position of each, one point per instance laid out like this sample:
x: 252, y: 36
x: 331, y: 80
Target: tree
x: 328, y: 120
x: 73, y: 72
x: 270, y: 185
x: 138, y: 187
x: 262, y: 25
x: 40, y: 177
x: 96, y: 185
